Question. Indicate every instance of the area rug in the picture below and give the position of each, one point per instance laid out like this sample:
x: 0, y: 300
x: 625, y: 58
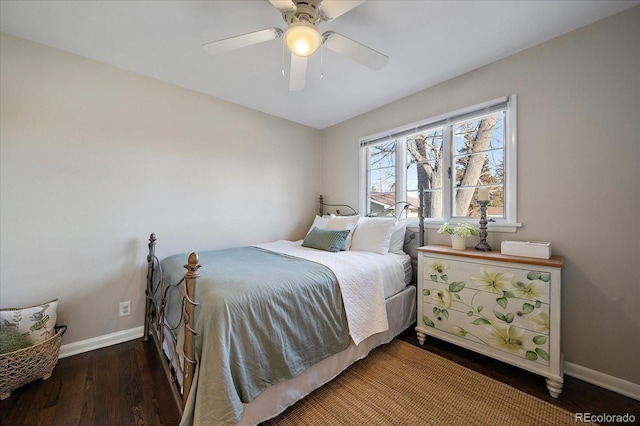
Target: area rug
x: 401, y: 384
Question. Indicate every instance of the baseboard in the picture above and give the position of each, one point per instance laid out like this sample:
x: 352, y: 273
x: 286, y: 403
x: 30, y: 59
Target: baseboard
x: 623, y: 387
x: 101, y: 342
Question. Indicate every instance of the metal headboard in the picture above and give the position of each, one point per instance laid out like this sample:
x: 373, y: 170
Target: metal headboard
x: 323, y: 204
x: 404, y: 208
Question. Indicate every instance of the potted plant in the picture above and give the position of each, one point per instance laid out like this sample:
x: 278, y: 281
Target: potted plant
x: 459, y: 234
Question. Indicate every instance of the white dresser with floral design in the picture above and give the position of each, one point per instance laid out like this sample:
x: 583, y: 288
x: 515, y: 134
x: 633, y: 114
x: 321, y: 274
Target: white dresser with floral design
x: 505, y: 307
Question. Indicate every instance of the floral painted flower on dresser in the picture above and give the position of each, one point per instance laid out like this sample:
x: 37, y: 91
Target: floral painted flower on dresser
x: 458, y: 331
x: 506, y: 337
x: 533, y: 287
x: 437, y: 268
x: 492, y: 281
x: 541, y: 322
x: 441, y: 298
x: 512, y: 320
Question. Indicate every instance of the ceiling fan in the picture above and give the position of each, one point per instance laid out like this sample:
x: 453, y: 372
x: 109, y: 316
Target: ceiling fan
x: 303, y: 38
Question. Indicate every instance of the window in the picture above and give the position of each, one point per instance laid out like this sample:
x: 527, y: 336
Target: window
x: 447, y: 159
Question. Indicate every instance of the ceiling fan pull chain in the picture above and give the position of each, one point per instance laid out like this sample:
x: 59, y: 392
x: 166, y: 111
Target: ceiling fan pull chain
x: 321, y: 61
x: 283, y: 43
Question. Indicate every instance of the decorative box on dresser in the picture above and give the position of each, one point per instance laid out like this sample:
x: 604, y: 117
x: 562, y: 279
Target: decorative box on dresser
x: 505, y: 307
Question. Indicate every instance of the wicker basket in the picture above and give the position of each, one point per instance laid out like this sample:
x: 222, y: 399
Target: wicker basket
x: 23, y: 366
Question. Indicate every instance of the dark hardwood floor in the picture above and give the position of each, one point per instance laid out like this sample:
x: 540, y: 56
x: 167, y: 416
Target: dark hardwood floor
x: 125, y: 385
x: 119, y: 385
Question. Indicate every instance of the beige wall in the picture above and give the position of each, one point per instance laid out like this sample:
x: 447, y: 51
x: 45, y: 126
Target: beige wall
x: 578, y: 175
x: 94, y: 159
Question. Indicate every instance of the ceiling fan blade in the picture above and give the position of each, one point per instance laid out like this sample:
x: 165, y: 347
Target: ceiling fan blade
x: 244, y: 40
x: 283, y: 5
x: 331, y: 9
x: 354, y: 50
x: 298, y: 73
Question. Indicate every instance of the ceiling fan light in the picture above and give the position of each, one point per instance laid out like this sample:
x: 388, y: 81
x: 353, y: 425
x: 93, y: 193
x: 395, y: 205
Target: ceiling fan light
x: 302, y: 38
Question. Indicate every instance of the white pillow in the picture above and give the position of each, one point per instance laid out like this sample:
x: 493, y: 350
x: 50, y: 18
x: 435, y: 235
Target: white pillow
x: 37, y: 323
x: 396, y: 244
x: 344, y: 222
x: 319, y: 222
x: 373, y: 234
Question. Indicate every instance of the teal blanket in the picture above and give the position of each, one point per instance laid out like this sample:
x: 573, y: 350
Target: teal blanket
x: 263, y: 318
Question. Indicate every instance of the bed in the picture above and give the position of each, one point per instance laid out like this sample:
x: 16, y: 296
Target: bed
x: 267, y: 324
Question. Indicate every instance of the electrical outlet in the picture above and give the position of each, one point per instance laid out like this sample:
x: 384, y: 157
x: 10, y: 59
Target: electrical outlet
x: 125, y: 308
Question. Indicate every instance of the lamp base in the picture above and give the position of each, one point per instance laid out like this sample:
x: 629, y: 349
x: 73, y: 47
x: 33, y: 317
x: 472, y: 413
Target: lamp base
x: 483, y: 246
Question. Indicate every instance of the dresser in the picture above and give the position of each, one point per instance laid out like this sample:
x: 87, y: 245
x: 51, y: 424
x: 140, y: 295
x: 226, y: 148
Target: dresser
x: 505, y: 307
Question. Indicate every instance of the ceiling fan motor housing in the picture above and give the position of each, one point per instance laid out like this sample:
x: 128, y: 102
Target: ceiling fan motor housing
x: 308, y: 10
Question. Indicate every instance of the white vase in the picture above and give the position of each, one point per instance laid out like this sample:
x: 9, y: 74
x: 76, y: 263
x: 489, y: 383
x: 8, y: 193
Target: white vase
x: 458, y: 242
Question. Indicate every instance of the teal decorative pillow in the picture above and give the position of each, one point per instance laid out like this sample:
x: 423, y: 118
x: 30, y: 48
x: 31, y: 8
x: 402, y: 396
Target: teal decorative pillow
x: 326, y: 239
x: 37, y: 323
x: 11, y: 340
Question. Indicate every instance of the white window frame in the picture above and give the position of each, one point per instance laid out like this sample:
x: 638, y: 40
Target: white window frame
x: 510, y: 221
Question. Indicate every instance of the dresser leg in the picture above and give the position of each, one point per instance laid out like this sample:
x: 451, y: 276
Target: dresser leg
x: 421, y: 337
x: 555, y: 387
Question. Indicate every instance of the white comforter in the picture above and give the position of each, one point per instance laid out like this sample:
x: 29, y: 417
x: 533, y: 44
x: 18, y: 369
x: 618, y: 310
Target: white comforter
x: 361, y: 276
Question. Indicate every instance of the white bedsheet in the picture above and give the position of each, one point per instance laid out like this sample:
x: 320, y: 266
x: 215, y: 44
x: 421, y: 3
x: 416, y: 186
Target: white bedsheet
x: 361, y: 276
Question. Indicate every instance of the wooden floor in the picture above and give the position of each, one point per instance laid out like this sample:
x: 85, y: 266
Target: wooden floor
x: 119, y: 385
x: 125, y: 385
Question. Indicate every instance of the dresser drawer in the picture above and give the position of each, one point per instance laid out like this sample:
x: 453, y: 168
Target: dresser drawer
x: 485, y: 328
x: 477, y: 305
x: 526, y: 284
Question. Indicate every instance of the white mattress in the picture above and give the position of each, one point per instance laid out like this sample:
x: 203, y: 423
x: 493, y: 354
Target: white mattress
x: 408, y: 267
x: 392, y: 287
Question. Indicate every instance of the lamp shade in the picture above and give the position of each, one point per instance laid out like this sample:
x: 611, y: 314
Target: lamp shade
x: 302, y: 38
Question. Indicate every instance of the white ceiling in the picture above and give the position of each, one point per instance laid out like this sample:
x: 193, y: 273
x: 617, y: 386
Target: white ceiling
x: 427, y: 41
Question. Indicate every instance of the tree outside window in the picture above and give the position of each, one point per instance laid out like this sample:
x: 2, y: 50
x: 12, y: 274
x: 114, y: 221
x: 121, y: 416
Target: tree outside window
x: 449, y: 161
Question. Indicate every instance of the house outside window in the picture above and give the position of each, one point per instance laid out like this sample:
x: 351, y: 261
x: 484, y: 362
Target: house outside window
x: 447, y: 160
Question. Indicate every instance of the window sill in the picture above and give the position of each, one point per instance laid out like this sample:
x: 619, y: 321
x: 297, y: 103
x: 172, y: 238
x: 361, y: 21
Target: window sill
x: 506, y: 227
